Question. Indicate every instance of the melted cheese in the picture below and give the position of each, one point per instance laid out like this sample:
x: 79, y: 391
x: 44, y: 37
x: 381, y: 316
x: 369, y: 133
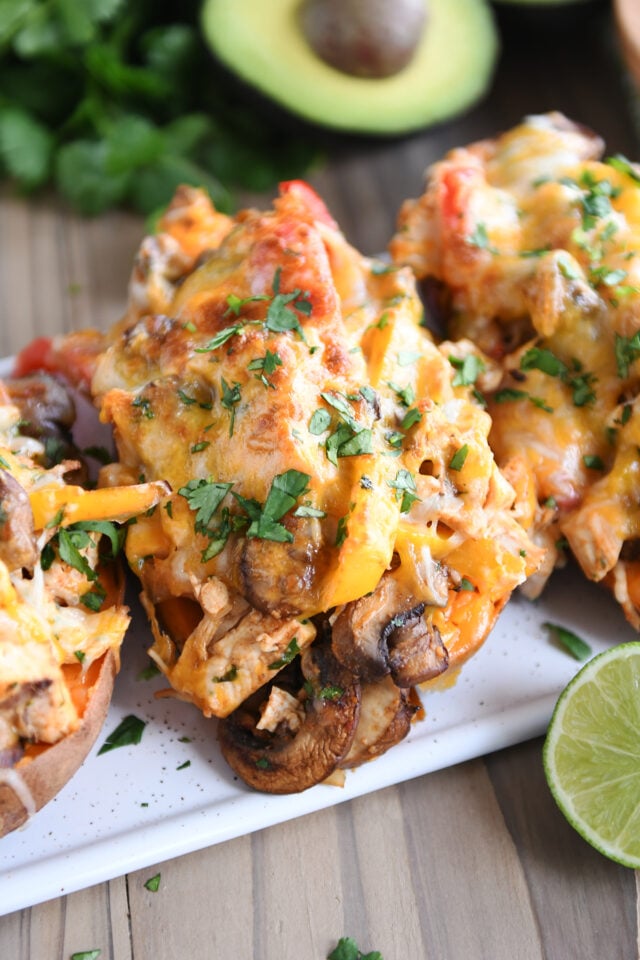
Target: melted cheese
x: 192, y: 401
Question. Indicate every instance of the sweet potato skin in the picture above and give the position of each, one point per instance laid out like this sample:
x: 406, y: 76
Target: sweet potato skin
x: 42, y: 776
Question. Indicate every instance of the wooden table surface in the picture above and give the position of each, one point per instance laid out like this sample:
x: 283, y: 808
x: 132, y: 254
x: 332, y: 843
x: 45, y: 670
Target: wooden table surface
x: 471, y: 862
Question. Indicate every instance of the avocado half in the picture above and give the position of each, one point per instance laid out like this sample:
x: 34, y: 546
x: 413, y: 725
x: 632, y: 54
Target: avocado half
x: 261, y: 42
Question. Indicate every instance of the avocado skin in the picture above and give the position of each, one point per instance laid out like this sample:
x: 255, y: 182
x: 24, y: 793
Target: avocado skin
x: 449, y: 74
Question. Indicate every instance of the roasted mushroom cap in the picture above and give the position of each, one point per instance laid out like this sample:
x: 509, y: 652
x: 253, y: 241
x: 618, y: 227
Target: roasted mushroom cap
x: 416, y: 650
x: 385, y: 719
x: 280, y: 578
x: 289, y: 760
x: 386, y: 632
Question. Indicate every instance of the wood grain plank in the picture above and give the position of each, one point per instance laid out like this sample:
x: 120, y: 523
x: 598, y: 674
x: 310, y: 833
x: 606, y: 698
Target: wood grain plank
x: 298, y: 889
x: 472, y: 894
x: 95, y: 918
x: 202, y: 907
x: 380, y: 902
x: 579, y: 897
x: 59, y: 272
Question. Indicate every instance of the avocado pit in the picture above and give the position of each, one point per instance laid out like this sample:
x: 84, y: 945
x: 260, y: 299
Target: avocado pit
x: 364, y: 38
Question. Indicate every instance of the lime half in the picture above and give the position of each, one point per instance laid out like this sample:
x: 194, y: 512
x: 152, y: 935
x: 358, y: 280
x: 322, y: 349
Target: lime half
x: 592, y: 753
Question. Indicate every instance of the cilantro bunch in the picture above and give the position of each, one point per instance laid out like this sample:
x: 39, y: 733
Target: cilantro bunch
x: 117, y: 103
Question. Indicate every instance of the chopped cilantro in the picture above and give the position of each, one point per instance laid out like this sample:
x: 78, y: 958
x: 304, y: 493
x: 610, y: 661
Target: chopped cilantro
x: 342, y: 531
x: 407, y: 357
x: 593, y: 462
x: 467, y: 369
x: 93, y: 599
x: 200, y: 446
x: 320, y: 421
x: 570, y: 641
x: 280, y: 316
x: 606, y: 276
x: 283, y: 494
x: 378, y: 268
x: 627, y: 350
x: 236, y: 304
x: 458, y: 459
x: 204, y: 496
x: 596, y: 202
x: 351, y: 438
x: 306, y: 510
x: 70, y: 543
x: 267, y: 365
x: 228, y: 677
x: 153, y: 883
x: 127, y: 733
x: 622, y: 165
x: 289, y: 654
x: 149, y: 672
x: 221, y: 338
x: 330, y: 692
x: 231, y: 397
x: 347, y: 949
x: 405, y: 484
x: 580, y: 383
x: 143, y: 404
x: 537, y: 358
x: 406, y: 395
x: 480, y: 239
x: 410, y: 418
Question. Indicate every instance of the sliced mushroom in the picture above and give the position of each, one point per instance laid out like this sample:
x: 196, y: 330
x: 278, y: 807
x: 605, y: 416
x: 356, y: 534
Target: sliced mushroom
x: 17, y: 538
x: 385, y: 719
x: 416, y: 650
x: 48, y: 413
x: 386, y: 632
x: 286, y: 761
x: 44, y: 404
x: 279, y: 578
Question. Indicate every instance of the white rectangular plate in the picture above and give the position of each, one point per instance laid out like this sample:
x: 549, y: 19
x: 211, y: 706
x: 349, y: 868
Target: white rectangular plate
x: 134, y: 806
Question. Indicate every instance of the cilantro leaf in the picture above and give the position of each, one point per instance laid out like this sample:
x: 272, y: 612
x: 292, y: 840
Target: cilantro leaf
x: 282, y: 497
x: 537, y: 358
x: 571, y: 642
x: 127, y: 733
x: 284, y: 492
x: 116, y: 535
x: 458, y: 459
x: 221, y: 338
x: 231, y: 397
x: 627, y: 350
x: 204, y: 496
x: 153, y: 883
x: 82, y: 176
x: 405, y: 484
x: 289, y: 654
x: 347, y: 949
x: 467, y: 370
x: 26, y: 147
x: 69, y: 546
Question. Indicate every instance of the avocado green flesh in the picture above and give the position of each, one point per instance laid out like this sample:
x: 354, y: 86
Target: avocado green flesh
x: 261, y: 42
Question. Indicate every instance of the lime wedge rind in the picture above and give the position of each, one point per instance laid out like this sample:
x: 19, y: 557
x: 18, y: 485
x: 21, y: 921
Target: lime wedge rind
x: 591, y: 754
